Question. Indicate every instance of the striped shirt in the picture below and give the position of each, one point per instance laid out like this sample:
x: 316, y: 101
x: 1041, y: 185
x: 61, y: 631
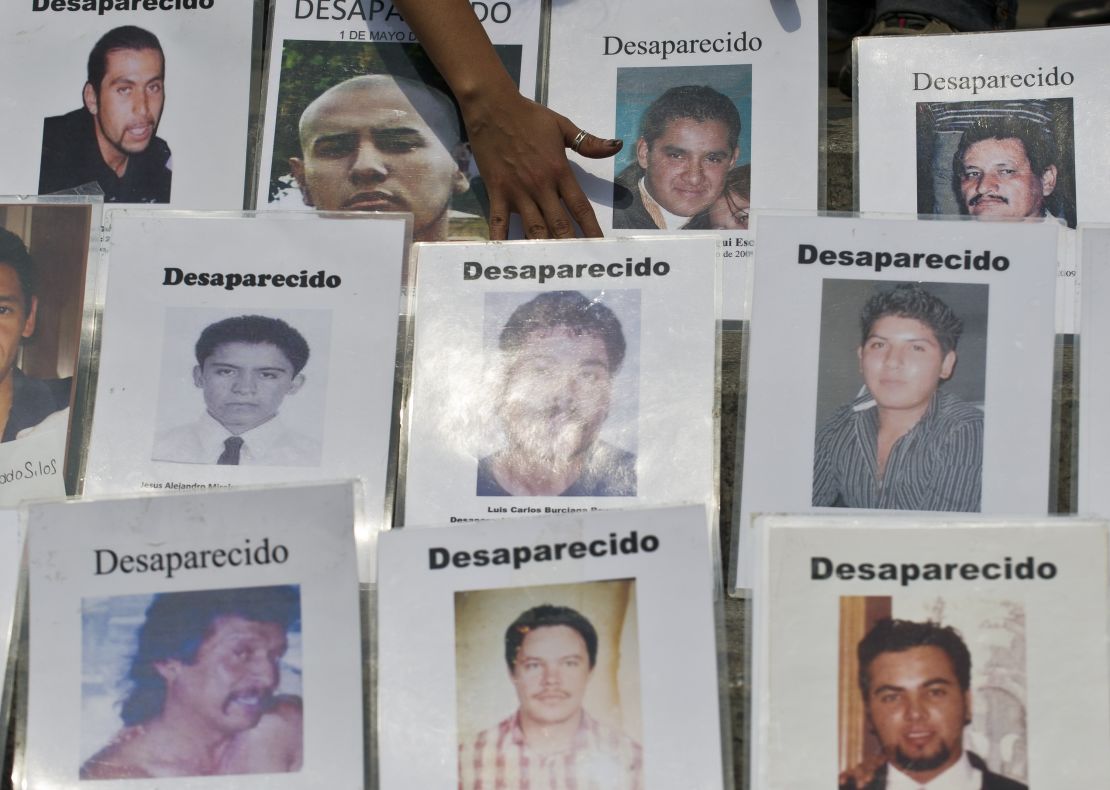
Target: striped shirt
x: 937, y: 465
x: 602, y: 758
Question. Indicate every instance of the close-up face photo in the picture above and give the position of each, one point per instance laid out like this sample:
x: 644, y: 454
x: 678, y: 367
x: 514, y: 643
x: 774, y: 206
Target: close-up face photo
x: 902, y: 362
x: 128, y: 102
x: 245, y: 383
x: 550, y: 674
x: 556, y: 393
x: 685, y: 166
x: 231, y: 682
x: 998, y: 180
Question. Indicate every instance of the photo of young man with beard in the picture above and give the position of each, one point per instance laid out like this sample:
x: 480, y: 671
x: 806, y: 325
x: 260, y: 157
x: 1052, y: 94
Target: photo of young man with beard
x: 559, y: 354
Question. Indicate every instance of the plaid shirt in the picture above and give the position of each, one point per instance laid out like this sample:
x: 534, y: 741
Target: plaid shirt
x: 602, y: 758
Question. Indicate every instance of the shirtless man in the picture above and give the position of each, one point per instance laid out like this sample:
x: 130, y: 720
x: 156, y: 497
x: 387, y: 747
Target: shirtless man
x: 203, y: 700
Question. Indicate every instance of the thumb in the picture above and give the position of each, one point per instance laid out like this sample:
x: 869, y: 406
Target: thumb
x: 589, y: 146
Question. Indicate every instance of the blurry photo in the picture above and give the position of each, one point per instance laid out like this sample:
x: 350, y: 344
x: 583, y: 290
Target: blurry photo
x: 553, y: 370
x: 197, y: 683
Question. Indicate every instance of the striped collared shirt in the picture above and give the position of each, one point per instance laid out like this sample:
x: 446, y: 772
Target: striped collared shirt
x: 937, y: 465
x: 602, y: 758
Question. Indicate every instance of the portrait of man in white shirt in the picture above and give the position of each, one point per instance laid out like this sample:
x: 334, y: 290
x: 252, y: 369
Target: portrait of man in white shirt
x: 246, y: 366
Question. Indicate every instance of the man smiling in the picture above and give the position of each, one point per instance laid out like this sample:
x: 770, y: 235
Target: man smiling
x: 915, y: 679
x: 689, y: 140
x: 204, y: 682
x: 111, y: 139
x: 550, y: 742
x: 246, y: 366
x: 903, y: 444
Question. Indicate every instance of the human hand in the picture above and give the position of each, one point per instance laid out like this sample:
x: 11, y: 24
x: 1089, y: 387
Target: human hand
x: 520, y: 147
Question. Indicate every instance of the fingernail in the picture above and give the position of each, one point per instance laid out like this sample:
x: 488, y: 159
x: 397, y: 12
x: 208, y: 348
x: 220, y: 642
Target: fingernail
x: 612, y: 143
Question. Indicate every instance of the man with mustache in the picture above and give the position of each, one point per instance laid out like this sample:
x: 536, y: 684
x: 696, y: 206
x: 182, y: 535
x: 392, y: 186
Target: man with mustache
x: 916, y: 684
x: 383, y: 143
x: 560, y: 352
x: 246, y: 366
x: 204, y: 681
x: 689, y: 140
x: 1004, y: 167
x: 550, y: 741
x: 903, y: 443
x: 111, y: 139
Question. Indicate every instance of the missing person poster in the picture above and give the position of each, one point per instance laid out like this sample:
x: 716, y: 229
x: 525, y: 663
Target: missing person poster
x: 357, y: 118
x: 560, y: 651
x: 243, y: 350
x: 47, y: 276
x: 910, y: 652
x: 713, y: 105
x: 558, y: 377
x: 1094, y: 383
x: 145, y: 102
x: 998, y: 124
x: 206, y: 635
x: 898, y: 365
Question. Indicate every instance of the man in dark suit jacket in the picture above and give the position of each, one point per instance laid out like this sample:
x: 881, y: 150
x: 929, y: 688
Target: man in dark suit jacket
x: 915, y: 679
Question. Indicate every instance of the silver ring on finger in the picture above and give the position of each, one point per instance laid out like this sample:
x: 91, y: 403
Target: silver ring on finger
x: 578, y: 138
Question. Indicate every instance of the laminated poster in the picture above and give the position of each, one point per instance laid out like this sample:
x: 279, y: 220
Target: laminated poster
x: 916, y: 652
x: 147, y: 102
x: 195, y: 640
x: 714, y: 107
x: 898, y: 365
x: 47, y: 277
x: 561, y: 651
x: 564, y: 376
x: 1002, y: 124
x: 357, y: 118
x: 240, y: 350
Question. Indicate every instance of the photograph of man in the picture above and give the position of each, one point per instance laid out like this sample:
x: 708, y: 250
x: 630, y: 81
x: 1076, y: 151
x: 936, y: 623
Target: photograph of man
x: 550, y: 741
x: 904, y: 443
x: 112, y: 139
x: 245, y: 366
x: 689, y: 139
x: 383, y: 143
x: 25, y: 403
x: 1004, y: 168
x: 203, y: 689
x: 1010, y: 159
x: 559, y: 353
x: 915, y: 678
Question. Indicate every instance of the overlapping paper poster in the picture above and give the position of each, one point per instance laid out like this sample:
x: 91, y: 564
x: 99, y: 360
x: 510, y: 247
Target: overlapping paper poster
x: 714, y: 105
x: 147, y: 102
x: 200, y: 635
x: 357, y: 117
x: 915, y: 652
x: 561, y: 376
x: 987, y: 125
x: 566, y: 651
x: 898, y: 365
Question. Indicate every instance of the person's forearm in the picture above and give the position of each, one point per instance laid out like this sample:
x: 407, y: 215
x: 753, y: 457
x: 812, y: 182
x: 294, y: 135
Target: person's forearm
x: 457, y: 43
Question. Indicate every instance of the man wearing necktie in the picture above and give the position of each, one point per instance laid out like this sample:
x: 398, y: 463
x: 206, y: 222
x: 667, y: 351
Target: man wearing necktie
x: 246, y: 366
